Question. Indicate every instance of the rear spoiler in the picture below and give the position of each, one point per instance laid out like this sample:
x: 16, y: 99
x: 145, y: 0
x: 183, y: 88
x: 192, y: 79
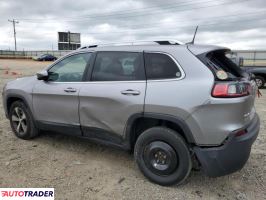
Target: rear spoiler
x: 200, y: 49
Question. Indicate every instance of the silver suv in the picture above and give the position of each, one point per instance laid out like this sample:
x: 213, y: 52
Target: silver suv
x: 175, y: 105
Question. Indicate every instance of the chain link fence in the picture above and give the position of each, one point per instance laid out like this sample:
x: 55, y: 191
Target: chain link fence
x: 249, y: 58
x: 30, y: 54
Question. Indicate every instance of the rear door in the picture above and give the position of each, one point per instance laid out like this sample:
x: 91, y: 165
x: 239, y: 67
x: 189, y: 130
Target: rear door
x: 115, y: 92
x: 55, y: 101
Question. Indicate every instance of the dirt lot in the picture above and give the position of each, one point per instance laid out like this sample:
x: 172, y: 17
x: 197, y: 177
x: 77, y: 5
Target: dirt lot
x: 78, y: 169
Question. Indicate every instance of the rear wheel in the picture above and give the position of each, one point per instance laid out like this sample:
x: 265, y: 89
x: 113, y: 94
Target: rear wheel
x: 260, y: 81
x: 21, y: 121
x: 163, y: 156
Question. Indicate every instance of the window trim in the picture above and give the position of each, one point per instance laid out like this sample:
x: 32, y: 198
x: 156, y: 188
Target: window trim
x: 88, y: 72
x: 67, y: 56
x: 89, y: 78
x: 183, y: 75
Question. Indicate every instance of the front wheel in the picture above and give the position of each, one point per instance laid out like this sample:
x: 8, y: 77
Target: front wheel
x: 163, y: 156
x: 21, y: 121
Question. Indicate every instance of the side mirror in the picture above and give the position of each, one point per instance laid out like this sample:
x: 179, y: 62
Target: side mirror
x: 42, y: 75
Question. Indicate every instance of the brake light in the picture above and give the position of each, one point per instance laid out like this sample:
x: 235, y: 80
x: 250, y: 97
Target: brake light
x: 231, y: 89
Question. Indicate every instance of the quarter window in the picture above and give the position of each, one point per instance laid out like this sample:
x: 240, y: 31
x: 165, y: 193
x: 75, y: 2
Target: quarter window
x: 71, y: 69
x: 160, y: 66
x: 118, y: 66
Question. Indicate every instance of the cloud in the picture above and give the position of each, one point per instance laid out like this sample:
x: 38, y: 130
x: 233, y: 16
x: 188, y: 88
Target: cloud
x: 237, y: 24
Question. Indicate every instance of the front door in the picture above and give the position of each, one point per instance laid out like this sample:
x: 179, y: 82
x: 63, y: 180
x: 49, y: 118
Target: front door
x: 55, y: 101
x: 116, y: 92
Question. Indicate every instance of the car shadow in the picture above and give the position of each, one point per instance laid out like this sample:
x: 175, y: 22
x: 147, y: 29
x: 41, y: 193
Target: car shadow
x: 84, y: 145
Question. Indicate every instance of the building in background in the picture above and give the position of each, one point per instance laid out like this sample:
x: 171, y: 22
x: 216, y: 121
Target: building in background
x: 68, y: 41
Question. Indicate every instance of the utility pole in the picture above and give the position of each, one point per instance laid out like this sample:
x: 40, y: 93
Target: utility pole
x: 14, y: 27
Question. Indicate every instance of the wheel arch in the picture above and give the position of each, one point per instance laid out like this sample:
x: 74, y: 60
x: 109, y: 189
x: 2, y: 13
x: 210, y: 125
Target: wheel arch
x: 138, y: 123
x: 11, y: 98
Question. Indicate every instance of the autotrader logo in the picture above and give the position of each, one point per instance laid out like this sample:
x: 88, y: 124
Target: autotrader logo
x: 27, y: 193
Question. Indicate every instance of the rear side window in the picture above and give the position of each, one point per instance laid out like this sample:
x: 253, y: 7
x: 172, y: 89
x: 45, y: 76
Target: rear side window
x: 217, y: 60
x: 160, y: 66
x: 118, y: 66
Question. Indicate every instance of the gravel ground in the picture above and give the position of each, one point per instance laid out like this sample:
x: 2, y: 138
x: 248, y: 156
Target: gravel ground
x: 78, y: 169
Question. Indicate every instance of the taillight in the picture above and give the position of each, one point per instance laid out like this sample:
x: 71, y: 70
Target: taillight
x: 231, y: 89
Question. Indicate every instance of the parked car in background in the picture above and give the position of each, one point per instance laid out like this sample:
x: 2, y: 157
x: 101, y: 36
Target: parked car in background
x: 45, y: 57
x: 174, y: 105
x: 259, y: 72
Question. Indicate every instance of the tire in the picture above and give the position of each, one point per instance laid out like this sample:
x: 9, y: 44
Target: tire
x: 260, y: 81
x: 172, y: 165
x: 19, y: 113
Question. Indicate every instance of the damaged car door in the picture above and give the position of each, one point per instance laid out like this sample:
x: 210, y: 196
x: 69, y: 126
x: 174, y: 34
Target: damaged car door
x: 55, y: 100
x: 115, y: 92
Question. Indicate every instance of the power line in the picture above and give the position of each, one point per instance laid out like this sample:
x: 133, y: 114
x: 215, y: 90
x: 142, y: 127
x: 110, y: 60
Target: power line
x: 154, y: 25
x: 131, y: 11
x: 174, y: 28
x: 213, y: 19
x: 196, y: 21
x: 14, y: 27
x: 172, y: 7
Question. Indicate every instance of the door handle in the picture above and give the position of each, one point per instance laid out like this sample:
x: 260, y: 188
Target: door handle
x: 130, y: 92
x: 70, y: 89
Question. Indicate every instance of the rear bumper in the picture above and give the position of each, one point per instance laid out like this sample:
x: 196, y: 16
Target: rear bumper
x: 231, y: 156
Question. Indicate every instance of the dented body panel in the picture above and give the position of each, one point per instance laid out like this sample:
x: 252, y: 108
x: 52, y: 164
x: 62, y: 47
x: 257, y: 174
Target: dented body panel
x: 103, y: 106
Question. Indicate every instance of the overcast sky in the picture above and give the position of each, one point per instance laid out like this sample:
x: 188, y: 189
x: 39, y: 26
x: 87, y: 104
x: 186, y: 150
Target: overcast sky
x: 237, y: 24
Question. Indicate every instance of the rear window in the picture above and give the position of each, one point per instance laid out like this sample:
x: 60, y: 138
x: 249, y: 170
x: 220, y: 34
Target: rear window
x: 160, y: 66
x: 217, y: 61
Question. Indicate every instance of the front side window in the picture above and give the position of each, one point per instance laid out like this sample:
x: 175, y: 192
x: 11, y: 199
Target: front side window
x: 160, y: 66
x: 118, y: 66
x: 71, y: 69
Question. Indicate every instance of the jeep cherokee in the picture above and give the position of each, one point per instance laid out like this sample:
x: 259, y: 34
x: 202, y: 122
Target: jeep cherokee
x: 172, y: 104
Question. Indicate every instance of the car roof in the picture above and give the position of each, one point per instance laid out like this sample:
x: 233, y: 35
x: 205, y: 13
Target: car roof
x: 194, y: 48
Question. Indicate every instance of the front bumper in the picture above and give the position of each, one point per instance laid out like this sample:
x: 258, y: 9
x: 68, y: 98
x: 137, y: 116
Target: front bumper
x: 4, y: 104
x: 231, y: 156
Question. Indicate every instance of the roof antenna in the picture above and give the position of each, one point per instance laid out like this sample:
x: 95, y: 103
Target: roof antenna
x: 192, y: 42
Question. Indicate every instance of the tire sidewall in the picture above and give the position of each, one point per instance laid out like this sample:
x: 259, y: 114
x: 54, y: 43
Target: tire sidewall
x: 176, y: 142
x: 30, y: 126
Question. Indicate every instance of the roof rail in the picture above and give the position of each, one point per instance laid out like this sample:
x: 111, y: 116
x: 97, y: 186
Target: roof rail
x: 156, y: 42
